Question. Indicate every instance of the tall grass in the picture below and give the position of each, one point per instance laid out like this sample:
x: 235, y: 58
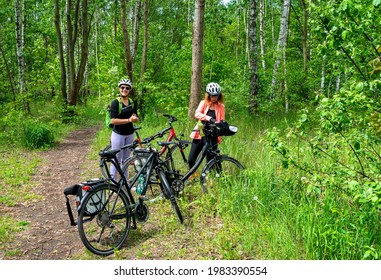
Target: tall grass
x: 275, y: 216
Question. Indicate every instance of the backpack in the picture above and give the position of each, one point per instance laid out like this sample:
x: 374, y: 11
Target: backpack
x: 108, y: 108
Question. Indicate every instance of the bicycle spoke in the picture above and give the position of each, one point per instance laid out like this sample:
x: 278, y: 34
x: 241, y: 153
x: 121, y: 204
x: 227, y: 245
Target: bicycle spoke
x: 219, y: 172
x: 109, y: 225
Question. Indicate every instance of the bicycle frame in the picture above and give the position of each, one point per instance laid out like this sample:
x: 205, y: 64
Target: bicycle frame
x: 201, y: 157
x: 148, y: 166
x: 171, y: 135
x: 197, y: 164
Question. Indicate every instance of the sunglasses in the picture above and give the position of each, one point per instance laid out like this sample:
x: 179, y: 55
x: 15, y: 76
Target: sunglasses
x: 125, y: 88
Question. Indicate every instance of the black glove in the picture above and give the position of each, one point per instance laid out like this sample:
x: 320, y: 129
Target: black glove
x: 212, y: 120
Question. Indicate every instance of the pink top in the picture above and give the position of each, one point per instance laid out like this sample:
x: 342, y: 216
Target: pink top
x: 200, y: 115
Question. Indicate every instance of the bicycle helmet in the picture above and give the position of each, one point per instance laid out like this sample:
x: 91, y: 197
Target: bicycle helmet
x: 213, y: 89
x: 125, y: 82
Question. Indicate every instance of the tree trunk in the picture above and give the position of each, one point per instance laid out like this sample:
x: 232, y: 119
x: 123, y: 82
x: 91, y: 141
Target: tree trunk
x: 70, y: 43
x: 20, y: 42
x: 60, y: 50
x: 254, y: 86
x: 322, y: 82
x: 262, y: 32
x: 126, y: 41
x: 76, y: 78
x: 197, y: 57
x: 84, y: 54
x: 282, y: 45
x: 138, y: 6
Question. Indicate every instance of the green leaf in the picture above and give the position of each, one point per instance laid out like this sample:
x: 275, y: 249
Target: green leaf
x: 376, y: 2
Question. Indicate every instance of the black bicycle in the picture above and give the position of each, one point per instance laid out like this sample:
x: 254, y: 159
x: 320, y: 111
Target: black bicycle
x: 107, y: 209
x: 218, y: 170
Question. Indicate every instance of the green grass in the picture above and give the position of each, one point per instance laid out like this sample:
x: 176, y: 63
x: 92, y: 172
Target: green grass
x: 15, y: 171
x: 8, y: 228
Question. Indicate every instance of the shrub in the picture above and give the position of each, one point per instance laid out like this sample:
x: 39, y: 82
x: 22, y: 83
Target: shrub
x: 37, y: 136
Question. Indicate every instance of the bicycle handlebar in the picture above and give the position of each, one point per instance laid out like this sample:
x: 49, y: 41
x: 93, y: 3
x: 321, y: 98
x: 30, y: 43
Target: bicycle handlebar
x: 170, y: 117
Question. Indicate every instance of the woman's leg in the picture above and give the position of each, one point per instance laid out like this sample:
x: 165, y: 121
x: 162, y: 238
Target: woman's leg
x: 194, y: 152
x: 214, y: 147
x: 126, y: 153
x: 117, y: 142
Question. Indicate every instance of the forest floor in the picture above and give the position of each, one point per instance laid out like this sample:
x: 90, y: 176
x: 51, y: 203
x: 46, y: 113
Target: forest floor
x: 49, y: 235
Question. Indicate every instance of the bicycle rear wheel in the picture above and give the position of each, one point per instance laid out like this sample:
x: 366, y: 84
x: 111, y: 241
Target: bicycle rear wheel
x: 218, y: 171
x: 169, y: 193
x: 104, y: 220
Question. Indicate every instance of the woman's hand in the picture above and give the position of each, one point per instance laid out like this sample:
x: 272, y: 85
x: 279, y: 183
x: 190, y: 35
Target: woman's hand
x: 134, y: 118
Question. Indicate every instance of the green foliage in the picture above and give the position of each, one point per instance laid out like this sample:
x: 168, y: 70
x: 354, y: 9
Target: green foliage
x: 337, y: 153
x: 37, y: 135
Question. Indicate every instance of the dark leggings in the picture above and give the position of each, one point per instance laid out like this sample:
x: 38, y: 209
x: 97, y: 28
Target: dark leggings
x: 196, y: 149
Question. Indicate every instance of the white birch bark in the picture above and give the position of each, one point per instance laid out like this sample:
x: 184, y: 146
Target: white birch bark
x: 253, y: 103
x: 282, y: 44
x: 262, y: 13
x: 20, y: 43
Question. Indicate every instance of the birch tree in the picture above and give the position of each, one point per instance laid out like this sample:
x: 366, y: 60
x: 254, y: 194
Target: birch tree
x: 197, y: 57
x: 253, y: 102
x: 20, y: 43
x: 262, y: 31
x: 281, y: 47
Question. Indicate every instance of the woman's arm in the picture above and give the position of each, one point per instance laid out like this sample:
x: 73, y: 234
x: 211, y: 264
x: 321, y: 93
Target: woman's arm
x: 201, y: 110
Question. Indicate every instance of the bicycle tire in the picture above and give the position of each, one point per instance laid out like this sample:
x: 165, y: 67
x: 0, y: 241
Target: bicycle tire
x: 105, y: 228
x: 169, y: 193
x: 179, y: 163
x: 131, y: 168
x: 220, y: 168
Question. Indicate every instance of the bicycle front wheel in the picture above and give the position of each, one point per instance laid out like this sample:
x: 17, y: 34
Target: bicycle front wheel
x: 104, y: 220
x: 219, y: 171
x: 169, y: 193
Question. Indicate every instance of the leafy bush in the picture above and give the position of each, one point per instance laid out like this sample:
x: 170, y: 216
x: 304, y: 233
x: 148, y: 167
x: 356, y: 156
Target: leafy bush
x: 37, y: 136
x: 336, y: 150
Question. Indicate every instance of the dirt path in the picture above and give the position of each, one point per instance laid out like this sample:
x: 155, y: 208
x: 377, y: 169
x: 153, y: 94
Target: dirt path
x: 50, y: 236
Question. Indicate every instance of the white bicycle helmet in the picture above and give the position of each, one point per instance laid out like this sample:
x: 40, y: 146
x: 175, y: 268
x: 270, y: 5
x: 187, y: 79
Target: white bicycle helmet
x: 125, y: 82
x: 213, y: 89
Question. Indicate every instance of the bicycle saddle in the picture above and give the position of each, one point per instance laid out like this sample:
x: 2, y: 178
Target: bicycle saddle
x: 108, y: 153
x: 161, y: 143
